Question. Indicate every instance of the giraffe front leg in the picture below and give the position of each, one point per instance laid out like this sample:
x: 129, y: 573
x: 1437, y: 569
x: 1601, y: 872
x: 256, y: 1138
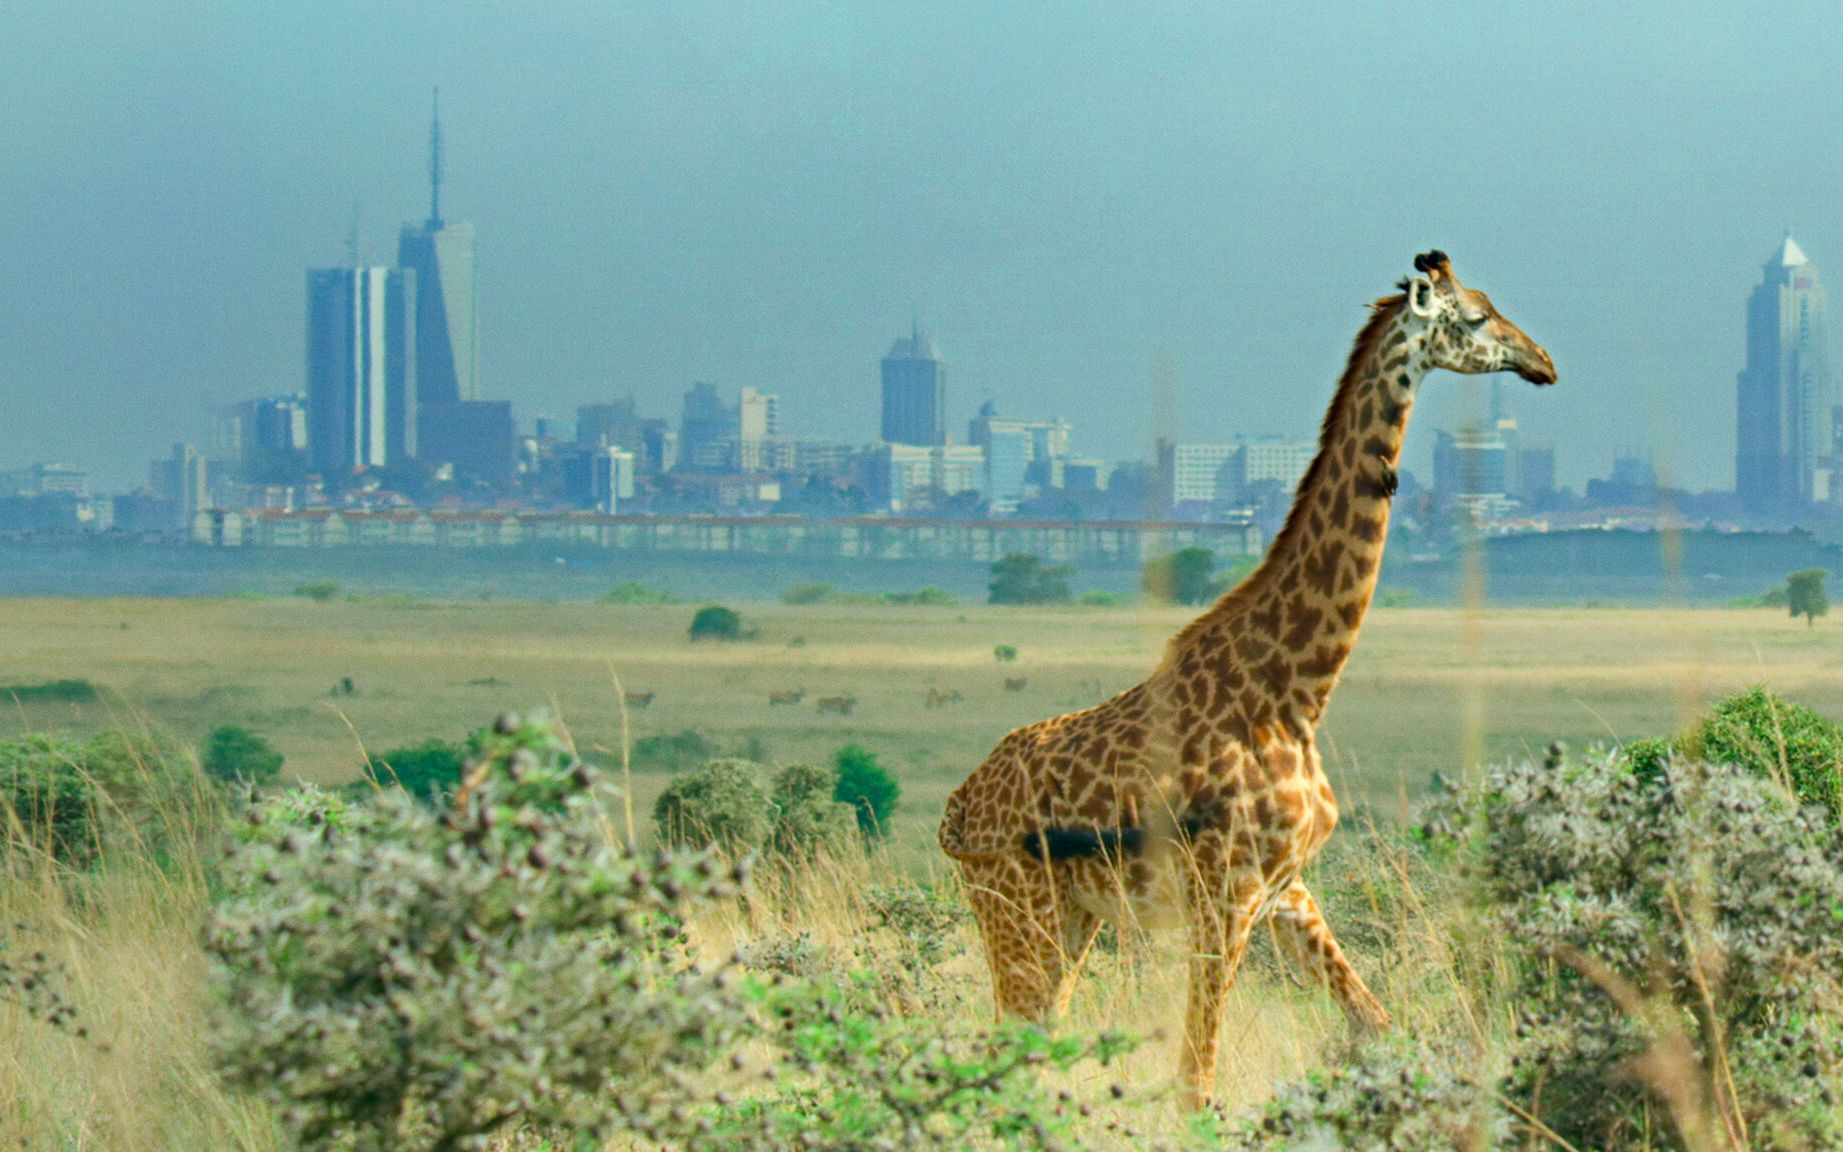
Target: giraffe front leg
x: 1222, y: 918
x: 1303, y: 930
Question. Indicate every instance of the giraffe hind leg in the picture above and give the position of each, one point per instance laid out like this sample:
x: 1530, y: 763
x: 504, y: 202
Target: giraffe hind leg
x: 1303, y: 931
x: 1035, y: 937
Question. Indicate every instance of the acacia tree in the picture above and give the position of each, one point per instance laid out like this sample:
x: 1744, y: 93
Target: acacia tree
x: 1804, y: 594
x: 1183, y: 577
x: 1020, y: 578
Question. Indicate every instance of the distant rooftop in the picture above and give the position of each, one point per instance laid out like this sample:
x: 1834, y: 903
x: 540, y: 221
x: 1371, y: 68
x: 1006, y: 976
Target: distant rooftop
x: 1790, y: 254
x: 918, y: 345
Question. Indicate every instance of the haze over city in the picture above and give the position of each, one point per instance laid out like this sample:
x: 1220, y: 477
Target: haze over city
x: 1134, y: 221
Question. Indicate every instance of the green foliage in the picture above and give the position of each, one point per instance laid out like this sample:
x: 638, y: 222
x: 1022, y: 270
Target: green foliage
x: 233, y: 753
x: 1004, y: 653
x: 672, y: 752
x: 812, y: 593
x: 856, y: 1076
x: 428, y: 770
x: 720, y: 805
x: 393, y: 977
x: 1098, y: 598
x: 807, y: 820
x: 1183, y: 577
x: 1776, y: 739
x: 1674, y: 934
x: 925, y: 596
x: 1771, y: 598
x: 1804, y: 594
x: 715, y: 622
x: 1393, y: 1095
x: 71, y: 797
x: 868, y: 788
x: 634, y: 592
x: 1020, y: 578
x: 319, y: 591
x: 50, y: 692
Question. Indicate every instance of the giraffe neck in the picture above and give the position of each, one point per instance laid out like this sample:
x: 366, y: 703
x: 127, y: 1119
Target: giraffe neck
x: 1287, y: 631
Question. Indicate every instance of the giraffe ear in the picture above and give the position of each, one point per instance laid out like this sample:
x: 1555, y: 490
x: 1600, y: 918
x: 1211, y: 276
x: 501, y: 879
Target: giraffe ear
x: 1420, y: 296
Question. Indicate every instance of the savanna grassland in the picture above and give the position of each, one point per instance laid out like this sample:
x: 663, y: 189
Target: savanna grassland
x: 1429, y: 691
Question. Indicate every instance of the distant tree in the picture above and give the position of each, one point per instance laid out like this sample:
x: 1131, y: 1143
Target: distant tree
x: 1020, y: 578
x: 1004, y: 653
x: 320, y: 590
x: 233, y: 753
x: 1183, y: 577
x: 715, y: 622
x: 428, y: 770
x: 868, y: 787
x: 1804, y: 594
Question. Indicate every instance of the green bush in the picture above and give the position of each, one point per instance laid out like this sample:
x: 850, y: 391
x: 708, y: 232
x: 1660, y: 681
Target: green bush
x: 672, y: 752
x: 813, y: 593
x: 50, y: 692
x: 929, y: 595
x: 1004, y: 653
x: 1767, y: 735
x: 715, y: 622
x: 1804, y: 594
x: 868, y: 788
x: 319, y: 591
x: 427, y: 771
x: 391, y: 977
x: 1673, y: 937
x: 1097, y: 598
x: 1020, y: 578
x: 807, y: 820
x: 72, y: 796
x: 721, y: 805
x: 233, y: 754
x: 1183, y: 577
x: 634, y: 592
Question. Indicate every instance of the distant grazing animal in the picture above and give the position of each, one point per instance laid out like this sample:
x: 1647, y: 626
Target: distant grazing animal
x: 786, y: 696
x: 1198, y: 795
x: 940, y: 699
x: 640, y: 699
x: 1016, y: 683
x: 843, y: 705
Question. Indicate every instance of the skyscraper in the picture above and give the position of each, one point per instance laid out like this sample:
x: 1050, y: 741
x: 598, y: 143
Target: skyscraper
x: 361, y: 368
x: 1783, y: 402
x: 442, y: 256
x: 914, y: 392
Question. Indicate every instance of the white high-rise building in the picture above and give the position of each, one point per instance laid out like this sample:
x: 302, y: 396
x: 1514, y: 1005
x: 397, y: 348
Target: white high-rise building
x: 361, y: 388
x: 1784, y: 404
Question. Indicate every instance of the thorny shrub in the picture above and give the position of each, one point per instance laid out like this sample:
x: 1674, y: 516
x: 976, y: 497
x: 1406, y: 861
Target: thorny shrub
x: 807, y: 820
x: 396, y: 976
x: 71, y: 796
x: 733, y: 807
x: 1769, y: 736
x: 1678, y: 935
x: 1393, y: 1095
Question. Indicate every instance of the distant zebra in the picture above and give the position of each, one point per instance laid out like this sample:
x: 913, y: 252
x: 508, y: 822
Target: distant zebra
x: 786, y: 696
x: 940, y: 699
x: 639, y: 699
x: 843, y: 705
x: 1016, y: 684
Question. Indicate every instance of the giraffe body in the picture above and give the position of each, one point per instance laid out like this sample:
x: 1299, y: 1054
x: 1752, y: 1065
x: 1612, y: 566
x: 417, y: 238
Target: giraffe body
x: 1198, y: 796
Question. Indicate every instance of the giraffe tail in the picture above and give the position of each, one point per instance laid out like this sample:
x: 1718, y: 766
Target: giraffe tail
x: 951, y: 834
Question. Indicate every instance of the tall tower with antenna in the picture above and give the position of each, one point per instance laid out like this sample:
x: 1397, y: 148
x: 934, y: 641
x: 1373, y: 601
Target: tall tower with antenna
x: 442, y: 256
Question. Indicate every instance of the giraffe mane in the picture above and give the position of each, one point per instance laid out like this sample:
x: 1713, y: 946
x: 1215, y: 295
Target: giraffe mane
x: 1382, y: 312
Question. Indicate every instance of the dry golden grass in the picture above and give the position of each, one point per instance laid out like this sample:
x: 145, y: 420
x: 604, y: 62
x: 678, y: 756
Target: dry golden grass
x: 141, y: 1079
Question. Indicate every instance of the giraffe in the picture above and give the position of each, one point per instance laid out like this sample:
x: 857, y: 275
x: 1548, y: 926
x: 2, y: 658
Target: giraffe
x: 1197, y: 796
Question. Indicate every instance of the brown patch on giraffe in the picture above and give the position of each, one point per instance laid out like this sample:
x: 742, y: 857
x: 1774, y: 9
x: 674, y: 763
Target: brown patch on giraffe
x: 1367, y: 529
x: 1325, y: 660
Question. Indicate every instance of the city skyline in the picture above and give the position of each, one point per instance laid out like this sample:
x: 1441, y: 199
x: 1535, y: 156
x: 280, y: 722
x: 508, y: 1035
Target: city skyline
x: 731, y: 199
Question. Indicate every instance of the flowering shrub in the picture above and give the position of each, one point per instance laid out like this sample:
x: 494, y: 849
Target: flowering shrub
x: 398, y: 976
x: 1678, y: 937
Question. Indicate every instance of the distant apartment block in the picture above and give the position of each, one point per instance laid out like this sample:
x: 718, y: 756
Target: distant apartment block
x: 905, y: 476
x: 45, y: 480
x: 361, y: 363
x: 1023, y: 457
x: 914, y: 392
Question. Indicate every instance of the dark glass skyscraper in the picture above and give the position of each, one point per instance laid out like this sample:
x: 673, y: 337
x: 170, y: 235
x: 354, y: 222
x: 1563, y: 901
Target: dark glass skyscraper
x: 914, y: 392
x: 442, y: 256
x: 1783, y: 402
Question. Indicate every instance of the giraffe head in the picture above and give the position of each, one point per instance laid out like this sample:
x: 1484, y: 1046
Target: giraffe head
x: 1463, y: 330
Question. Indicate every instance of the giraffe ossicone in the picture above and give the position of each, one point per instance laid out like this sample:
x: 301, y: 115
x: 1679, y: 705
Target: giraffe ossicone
x: 1197, y: 796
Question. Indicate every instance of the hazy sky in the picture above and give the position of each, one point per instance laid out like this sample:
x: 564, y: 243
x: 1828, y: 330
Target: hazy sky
x: 1135, y: 216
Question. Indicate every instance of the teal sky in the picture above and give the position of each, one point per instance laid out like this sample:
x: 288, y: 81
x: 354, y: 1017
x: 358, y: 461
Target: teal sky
x: 1135, y: 216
